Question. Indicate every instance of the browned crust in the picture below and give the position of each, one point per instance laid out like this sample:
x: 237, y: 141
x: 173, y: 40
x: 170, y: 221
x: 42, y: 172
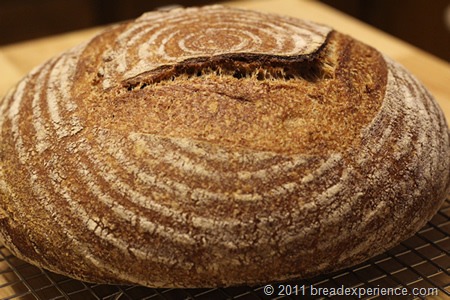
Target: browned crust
x: 310, y: 104
x: 294, y: 166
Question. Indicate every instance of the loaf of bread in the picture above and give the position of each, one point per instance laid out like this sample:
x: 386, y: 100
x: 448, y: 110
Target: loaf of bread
x: 212, y: 146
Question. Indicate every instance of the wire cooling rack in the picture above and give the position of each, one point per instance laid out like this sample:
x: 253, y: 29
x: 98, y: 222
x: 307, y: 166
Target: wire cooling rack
x: 419, y: 267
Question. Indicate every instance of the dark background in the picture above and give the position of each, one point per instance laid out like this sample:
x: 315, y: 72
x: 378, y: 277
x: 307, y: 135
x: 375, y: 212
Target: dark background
x: 419, y: 22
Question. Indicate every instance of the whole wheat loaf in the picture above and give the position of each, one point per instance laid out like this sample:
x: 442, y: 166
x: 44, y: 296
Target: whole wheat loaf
x: 213, y: 146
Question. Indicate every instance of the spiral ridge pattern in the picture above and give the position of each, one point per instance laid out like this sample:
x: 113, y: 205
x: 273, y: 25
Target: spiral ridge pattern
x: 167, y: 38
x: 100, y: 183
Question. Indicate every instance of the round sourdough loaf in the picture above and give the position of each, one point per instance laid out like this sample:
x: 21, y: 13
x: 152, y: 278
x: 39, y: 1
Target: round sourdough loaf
x: 212, y: 146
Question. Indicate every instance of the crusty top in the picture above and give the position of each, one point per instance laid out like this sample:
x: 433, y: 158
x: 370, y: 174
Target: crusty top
x: 223, y: 145
x: 183, y: 75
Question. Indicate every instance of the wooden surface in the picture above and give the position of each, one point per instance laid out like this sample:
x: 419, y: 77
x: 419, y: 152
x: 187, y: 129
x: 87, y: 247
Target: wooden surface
x: 17, y: 60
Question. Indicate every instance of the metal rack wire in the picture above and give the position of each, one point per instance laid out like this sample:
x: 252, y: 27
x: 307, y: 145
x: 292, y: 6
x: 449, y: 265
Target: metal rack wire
x: 420, y: 264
